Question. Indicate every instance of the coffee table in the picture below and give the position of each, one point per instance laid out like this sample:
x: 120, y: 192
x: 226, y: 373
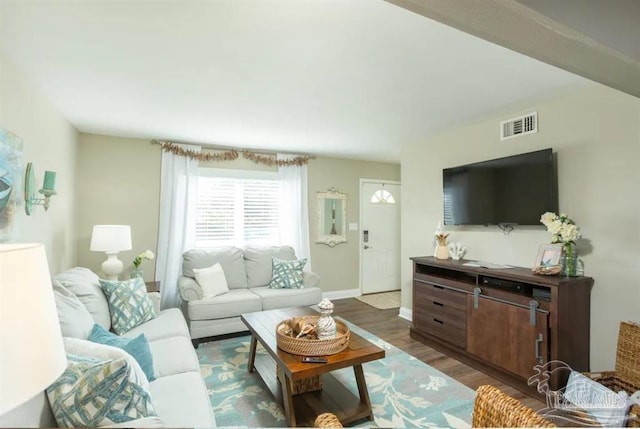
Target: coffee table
x: 334, y: 397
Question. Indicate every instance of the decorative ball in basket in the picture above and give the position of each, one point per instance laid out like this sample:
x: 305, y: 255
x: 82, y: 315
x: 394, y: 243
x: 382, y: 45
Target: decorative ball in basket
x: 313, y: 335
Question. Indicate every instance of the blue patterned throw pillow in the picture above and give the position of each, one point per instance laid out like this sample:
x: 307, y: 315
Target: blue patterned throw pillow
x: 287, y: 274
x: 137, y: 347
x: 129, y: 304
x: 92, y: 392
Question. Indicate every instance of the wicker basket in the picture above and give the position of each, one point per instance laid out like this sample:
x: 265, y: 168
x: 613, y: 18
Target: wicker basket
x: 304, y: 347
x: 327, y: 420
x: 627, y: 370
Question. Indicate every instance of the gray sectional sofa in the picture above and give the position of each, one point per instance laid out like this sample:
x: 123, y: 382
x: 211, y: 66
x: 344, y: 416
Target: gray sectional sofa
x: 248, y: 273
x: 178, y: 392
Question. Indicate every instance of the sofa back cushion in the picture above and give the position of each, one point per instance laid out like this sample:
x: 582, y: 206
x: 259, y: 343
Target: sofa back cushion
x: 85, y: 284
x: 229, y: 258
x: 74, y: 318
x: 259, y: 264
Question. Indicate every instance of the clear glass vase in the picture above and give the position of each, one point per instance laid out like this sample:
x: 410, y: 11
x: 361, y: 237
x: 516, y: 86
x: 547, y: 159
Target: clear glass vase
x: 137, y: 272
x: 570, y: 262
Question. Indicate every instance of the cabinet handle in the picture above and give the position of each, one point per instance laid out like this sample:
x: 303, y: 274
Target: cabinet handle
x: 476, y: 296
x: 533, y: 305
x: 538, y: 343
x: 437, y: 287
x: 438, y: 304
x: 438, y: 321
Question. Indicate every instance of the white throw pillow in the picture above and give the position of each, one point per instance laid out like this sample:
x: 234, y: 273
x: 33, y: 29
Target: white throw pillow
x: 78, y: 347
x: 602, y: 403
x: 211, y: 280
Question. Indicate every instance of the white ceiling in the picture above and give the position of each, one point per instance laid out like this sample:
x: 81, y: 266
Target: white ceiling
x: 346, y: 78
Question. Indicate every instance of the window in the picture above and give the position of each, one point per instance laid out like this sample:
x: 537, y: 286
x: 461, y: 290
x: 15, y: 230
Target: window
x: 382, y: 196
x: 237, y: 208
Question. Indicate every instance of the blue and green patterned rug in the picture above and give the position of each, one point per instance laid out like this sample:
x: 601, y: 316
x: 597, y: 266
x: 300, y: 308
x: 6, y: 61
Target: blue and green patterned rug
x: 405, y: 392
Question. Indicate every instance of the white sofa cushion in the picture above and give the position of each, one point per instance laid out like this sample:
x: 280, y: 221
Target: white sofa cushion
x: 168, y: 323
x: 233, y: 303
x: 258, y: 262
x: 84, y: 284
x: 182, y: 400
x: 74, y: 318
x: 230, y: 258
x: 282, y: 298
x: 211, y: 280
x: 173, y: 356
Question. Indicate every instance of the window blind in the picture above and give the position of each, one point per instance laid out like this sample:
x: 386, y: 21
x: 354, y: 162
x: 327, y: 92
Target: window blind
x: 237, y: 212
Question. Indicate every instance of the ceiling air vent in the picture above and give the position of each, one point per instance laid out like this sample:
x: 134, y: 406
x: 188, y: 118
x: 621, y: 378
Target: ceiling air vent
x: 521, y: 125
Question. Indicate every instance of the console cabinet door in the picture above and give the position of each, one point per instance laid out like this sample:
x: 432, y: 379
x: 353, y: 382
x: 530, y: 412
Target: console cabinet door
x: 502, y: 334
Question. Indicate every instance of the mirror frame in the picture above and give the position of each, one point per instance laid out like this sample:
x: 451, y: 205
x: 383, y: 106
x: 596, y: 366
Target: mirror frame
x: 331, y: 240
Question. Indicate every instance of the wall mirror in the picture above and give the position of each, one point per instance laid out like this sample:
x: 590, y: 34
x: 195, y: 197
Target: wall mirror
x: 332, y: 217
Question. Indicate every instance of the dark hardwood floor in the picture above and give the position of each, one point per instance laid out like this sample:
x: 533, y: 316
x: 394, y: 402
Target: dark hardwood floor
x: 387, y: 325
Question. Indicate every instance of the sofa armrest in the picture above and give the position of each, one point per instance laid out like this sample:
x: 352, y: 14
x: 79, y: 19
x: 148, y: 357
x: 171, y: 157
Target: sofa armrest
x: 310, y: 279
x: 189, y: 289
x: 155, y: 298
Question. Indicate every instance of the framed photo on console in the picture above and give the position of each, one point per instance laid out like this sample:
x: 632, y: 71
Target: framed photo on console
x: 548, y: 255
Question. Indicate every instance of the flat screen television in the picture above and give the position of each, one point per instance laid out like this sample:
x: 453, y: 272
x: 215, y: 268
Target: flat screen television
x: 512, y: 190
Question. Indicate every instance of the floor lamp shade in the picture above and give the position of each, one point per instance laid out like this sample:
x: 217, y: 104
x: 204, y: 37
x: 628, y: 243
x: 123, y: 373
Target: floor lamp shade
x: 33, y: 354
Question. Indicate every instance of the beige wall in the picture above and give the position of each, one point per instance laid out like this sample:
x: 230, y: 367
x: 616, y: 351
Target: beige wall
x: 49, y: 142
x: 339, y: 266
x: 118, y: 182
x: 596, y: 134
x: 120, y: 178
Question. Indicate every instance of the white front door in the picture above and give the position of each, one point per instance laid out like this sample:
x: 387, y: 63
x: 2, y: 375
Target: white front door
x: 379, y: 236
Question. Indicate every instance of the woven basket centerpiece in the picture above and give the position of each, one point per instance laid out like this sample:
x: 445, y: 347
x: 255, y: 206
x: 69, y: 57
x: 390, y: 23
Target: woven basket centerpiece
x: 306, y: 345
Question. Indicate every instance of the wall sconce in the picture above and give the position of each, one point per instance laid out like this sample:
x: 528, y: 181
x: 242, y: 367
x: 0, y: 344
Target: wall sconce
x: 48, y: 189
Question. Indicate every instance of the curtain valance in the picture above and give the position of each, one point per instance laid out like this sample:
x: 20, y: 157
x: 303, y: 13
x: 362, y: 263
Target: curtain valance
x: 231, y: 154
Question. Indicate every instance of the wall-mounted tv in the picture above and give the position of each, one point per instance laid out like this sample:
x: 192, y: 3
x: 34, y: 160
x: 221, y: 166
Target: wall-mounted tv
x: 512, y: 190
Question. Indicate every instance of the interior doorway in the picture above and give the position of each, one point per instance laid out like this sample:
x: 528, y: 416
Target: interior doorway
x: 379, y: 235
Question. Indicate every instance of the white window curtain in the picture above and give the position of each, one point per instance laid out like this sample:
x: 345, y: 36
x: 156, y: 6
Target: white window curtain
x: 294, y: 209
x: 178, y: 201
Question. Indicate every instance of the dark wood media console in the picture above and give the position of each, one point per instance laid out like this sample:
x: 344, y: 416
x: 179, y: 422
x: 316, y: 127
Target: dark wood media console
x: 502, y: 321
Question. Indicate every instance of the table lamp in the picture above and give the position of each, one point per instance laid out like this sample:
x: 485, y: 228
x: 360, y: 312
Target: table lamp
x: 111, y: 239
x: 33, y: 353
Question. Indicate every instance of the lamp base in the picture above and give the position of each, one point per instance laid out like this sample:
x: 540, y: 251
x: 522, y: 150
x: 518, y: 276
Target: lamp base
x: 112, y: 267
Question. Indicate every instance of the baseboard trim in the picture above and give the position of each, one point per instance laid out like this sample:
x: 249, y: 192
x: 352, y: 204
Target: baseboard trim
x: 341, y: 294
x: 406, y: 313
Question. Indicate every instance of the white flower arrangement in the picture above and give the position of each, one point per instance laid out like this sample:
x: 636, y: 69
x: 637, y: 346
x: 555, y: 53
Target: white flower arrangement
x: 146, y: 255
x: 563, y: 230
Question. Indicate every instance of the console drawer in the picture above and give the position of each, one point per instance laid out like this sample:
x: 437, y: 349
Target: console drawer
x: 450, y: 315
x: 440, y: 295
x: 441, y: 328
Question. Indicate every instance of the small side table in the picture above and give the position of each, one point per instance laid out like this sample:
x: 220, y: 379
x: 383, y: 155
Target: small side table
x: 153, y: 286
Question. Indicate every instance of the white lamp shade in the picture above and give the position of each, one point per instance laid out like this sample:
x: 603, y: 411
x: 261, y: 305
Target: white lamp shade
x: 32, y: 354
x: 110, y: 238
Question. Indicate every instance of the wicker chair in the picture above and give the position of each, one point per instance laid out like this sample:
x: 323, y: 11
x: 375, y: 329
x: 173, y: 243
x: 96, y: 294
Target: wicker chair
x: 493, y: 408
x: 627, y: 370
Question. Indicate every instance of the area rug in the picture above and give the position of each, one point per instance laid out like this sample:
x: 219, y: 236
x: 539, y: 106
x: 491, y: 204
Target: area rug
x: 382, y: 301
x: 404, y: 391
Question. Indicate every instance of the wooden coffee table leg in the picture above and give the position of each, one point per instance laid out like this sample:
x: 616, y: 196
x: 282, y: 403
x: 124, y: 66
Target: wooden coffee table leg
x: 289, y: 412
x: 362, y: 389
x: 252, y: 353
